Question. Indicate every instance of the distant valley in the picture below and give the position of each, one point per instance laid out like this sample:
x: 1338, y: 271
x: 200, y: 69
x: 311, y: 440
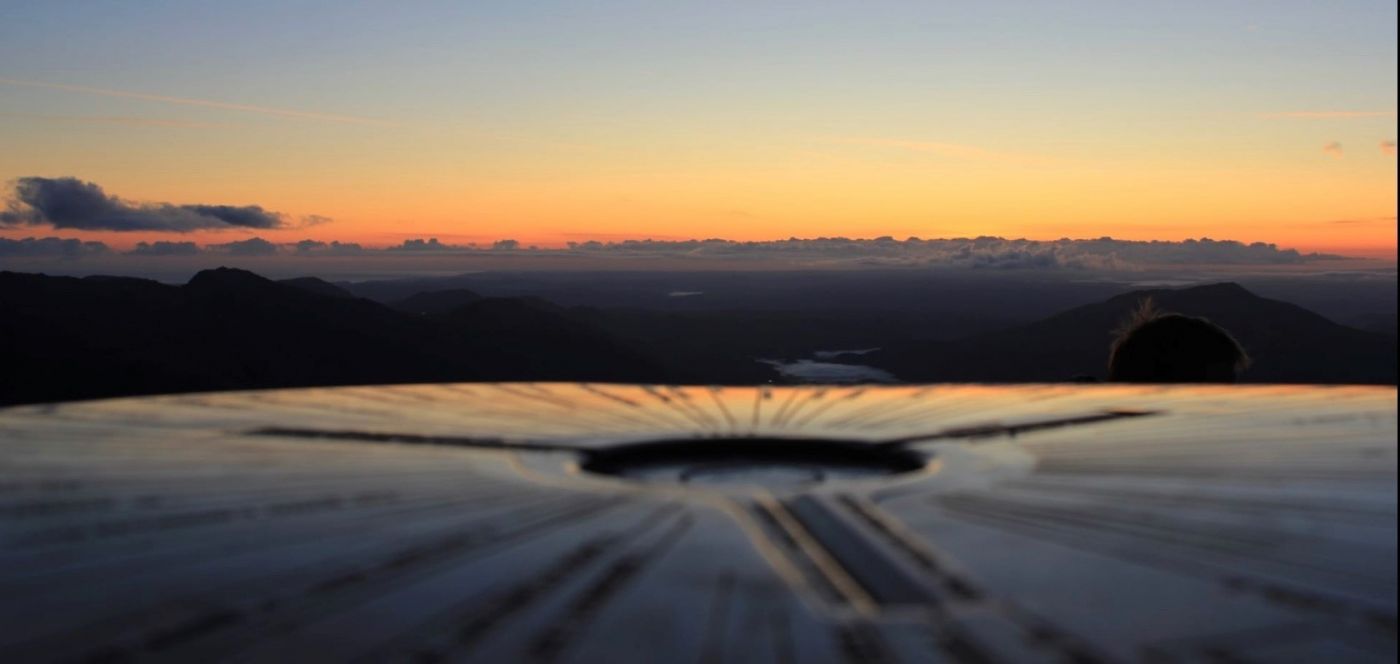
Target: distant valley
x: 73, y: 338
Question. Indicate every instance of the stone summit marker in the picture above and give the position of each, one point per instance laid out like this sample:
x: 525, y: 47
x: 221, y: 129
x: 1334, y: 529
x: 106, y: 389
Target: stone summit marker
x: 609, y: 523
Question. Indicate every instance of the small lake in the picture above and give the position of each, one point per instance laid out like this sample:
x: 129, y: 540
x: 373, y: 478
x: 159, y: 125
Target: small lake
x: 819, y: 369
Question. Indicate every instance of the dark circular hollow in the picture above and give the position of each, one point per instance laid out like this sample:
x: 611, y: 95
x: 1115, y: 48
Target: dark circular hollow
x: 752, y: 461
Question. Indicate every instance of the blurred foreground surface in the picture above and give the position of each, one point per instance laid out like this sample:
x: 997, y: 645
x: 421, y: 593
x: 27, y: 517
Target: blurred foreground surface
x: 524, y: 522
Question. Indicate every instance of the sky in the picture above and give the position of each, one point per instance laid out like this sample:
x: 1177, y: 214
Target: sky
x: 376, y: 122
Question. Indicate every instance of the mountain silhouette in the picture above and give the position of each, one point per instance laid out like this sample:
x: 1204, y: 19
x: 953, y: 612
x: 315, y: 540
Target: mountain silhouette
x: 319, y: 286
x: 68, y: 338
x: 1287, y: 343
x: 436, y: 302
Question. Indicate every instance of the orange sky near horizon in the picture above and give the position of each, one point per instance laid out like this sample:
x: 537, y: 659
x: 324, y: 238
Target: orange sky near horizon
x: 1255, y: 121
x: 1312, y: 208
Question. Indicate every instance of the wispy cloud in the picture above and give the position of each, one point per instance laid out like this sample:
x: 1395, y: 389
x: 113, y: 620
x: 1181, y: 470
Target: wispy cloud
x: 126, y: 121
x: 1333, y: 150
x: 949, y: 150
x: 1329, y: 115
x: 204, y: 103
x: 1388, y: 147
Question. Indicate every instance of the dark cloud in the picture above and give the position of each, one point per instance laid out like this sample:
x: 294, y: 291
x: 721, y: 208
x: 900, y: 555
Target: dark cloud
x: 250, y: 247
x: 163, y: 248
x: 979, y: 253
x: 247, y: 216
x: 331, y: 248
x: 72, y: 203
x: 50, y: 247
x: 430, y: 244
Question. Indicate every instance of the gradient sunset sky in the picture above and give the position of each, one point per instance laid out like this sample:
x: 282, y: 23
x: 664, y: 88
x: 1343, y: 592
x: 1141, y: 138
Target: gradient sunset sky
x: 555, y: 121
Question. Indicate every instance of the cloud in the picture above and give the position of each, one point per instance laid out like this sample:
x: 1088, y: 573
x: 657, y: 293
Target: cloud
x: 206, y: 103
x: 250, y: 247
x: 68, y: 202
x: 979, y: 253
x: 50, y: 247
x: 430, y: 244
x: 247, y: 216
x: 1388, y: 147
x: 128, y: 121
x: 1333, y: 150
x: 1329, y: 115
x: 163, y: 248
x: 315, y: 247
x: 987, y: 253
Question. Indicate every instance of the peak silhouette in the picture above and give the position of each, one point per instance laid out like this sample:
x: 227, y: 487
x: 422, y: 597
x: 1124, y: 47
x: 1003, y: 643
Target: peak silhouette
x: 436, y: 302
x: 1288, y: 343
x: 317, y: 286
x: 227, y: 277
x: 68, y: 338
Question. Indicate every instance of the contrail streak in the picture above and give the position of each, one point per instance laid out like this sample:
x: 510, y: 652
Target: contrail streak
x: 1330, y: 115
x: 205, y: 103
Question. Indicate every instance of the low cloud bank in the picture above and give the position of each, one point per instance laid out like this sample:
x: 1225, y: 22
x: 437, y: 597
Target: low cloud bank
x: 332, y: 248
x: 977, y: 253
x: 50, y: 247
x: 982, y: 253
x: 163, y: 248
x: 70, y: 203
x: 250, y: 247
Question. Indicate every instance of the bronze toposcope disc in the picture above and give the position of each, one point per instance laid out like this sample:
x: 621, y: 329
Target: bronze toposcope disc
x: 615, y: 523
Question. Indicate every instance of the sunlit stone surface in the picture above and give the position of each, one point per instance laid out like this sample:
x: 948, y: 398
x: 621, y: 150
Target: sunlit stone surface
x: 525, y: 522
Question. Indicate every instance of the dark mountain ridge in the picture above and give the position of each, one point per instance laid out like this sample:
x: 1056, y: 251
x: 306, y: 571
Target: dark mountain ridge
x: 1287, y: 343
x: 436, y: 302
x: 68, y: 338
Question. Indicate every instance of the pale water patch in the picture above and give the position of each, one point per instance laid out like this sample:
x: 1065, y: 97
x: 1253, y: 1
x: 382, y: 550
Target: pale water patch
x: 812, y: 371
x: 833, y: 354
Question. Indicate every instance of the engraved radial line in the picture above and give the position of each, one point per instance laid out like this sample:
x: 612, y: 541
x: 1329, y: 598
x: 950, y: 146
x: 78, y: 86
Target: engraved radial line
x: 823, y: 407
x: 551, y: 643
x: 882, y: 408
x: 760, y: 395
x: 777, y: 419
x: 859, y: 556
x: 671, y: 403
x: 728, y: 417
x: 831, y: 573
x: 682, y: 398
x: 720, y: 604
x: 473, y: 619
x: 518, y: 418
x: 812, y: 396
x: 639, y: 408
x: 568, y: 407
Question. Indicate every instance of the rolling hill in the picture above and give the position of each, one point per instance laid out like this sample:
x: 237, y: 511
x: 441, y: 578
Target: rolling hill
x: 68, y: 338
x: 1286, y: 342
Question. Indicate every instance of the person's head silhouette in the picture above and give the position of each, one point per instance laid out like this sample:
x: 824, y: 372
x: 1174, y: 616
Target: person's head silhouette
x: 1154, y: 347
